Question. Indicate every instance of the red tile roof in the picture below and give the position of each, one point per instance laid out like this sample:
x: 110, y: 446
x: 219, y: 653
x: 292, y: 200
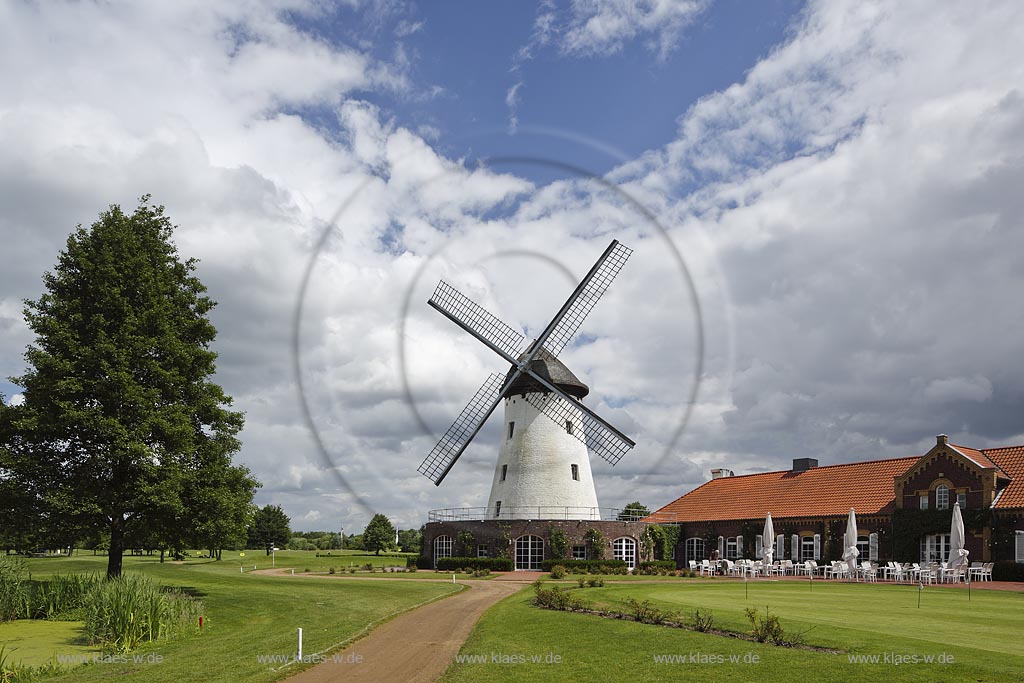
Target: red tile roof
x: 977, y: 456
x: 832, y: 490
x: 1011, y: 461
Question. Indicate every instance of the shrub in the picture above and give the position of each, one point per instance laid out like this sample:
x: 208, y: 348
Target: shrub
x: 596, y: 582
x: 556, y: 598
x: 352, y: 570
x: 330, y: 570
x: 581, y: 582
x: 368, y: 567
x: 595, y: 541
x: 558, y: 572
x: 765, y: 629
x: 703, y: 622
x: 481, y: 572
x: 559, y: 543
x: 495, y: 564
x: 647, y: 613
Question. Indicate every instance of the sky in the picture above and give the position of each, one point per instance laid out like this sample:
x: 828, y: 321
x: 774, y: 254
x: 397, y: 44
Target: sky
x: 823, y: 200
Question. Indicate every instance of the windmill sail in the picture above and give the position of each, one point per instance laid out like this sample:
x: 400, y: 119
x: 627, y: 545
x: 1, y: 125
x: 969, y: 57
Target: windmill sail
x: 597, y: 435
x: 444, y: 454
x: 476, y: 320
x: 569, y: 319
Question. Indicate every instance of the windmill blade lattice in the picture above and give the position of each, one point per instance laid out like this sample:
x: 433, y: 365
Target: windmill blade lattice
x: 584, y: 299
x: 475, y: 318
x: 446, y: 451
x: 601, y: 440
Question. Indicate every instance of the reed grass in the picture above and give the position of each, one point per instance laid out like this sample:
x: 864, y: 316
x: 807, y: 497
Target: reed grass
x: 126, y: 611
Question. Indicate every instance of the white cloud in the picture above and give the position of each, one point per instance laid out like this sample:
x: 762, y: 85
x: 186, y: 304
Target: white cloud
x: 603, y: 27
x: 849, y: 214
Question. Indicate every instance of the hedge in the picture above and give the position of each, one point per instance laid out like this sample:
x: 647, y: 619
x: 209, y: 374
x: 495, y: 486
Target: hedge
x: 588, y: 566
x: 652, y: 567
x: 495, y: 564
x: 1008, y: 570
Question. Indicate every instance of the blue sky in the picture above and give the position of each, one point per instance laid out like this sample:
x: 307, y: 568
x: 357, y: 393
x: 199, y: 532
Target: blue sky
x: 840, y: 180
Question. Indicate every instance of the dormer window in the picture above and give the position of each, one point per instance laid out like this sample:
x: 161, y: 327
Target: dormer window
x: 941, y: 497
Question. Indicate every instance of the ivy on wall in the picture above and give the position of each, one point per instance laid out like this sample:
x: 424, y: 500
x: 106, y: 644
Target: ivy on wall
x: 908, y: 526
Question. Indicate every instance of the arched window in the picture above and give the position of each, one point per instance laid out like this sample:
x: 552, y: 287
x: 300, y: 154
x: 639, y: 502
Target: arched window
x: 695, y: 549
x: 442, y: 548
x: 625, y: 549
x: 941, y: 497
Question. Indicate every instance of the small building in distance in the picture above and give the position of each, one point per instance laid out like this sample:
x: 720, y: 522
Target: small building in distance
x: 903, y: 508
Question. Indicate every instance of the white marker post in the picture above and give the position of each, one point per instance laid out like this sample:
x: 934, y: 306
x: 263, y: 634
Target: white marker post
x: 300, y: 644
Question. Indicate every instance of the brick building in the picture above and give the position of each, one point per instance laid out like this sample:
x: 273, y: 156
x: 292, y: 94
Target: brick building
x: 527, y: 542
x: 903, y: 508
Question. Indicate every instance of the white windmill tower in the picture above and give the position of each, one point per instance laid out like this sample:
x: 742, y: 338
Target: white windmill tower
x: 543, y: 469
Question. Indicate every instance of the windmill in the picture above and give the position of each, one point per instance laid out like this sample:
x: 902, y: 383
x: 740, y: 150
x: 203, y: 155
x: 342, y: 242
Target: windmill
x: 543, y: 462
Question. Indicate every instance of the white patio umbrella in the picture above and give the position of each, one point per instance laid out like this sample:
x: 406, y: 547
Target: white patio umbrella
x: 957, y: 552
x: 850, y: 543
x: 768, y: 540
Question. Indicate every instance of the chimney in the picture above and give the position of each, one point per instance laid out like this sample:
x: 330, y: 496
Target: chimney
x: 804, y: 464
x: 942, y: 440
x: 720, y: 473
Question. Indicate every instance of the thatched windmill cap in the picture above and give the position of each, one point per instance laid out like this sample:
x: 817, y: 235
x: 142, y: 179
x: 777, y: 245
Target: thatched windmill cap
x: 552, y: 370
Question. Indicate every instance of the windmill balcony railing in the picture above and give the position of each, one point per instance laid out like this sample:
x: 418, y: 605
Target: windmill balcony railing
x: 542, y: 512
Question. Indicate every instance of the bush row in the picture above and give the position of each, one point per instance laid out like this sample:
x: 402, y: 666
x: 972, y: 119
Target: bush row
x: 495, y: 564
x: 587, y: 566
x: 656, y: 567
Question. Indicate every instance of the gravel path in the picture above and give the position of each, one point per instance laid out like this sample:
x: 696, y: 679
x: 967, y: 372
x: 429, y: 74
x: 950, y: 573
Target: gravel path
x: 416, y: 646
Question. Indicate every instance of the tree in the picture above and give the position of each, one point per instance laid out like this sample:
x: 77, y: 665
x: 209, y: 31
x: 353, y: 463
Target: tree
x: 120, y: 414
x: 379, y: 534
x: 269, y: 528
x: 633, y: 511
x: 410, y: 540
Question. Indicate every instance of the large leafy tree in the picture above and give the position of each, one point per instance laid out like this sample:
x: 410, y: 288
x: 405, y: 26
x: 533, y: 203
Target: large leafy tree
x: 269, y: 528
x: 379, y: 534
x: 123, y: 425
x: 634, y: 511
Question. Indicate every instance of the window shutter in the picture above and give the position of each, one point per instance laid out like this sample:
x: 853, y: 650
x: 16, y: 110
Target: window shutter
x: 795, y: 542
x: 759, y: 550
x: 817, y: 547
x: 739, y: 546
x: 780, y: 546
x: 721, y: 547
x: 873, y: 547
x: 1020, y: 547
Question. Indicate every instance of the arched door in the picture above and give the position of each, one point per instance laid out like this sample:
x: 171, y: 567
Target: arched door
x: 529, y: 552
x: 625, y: 549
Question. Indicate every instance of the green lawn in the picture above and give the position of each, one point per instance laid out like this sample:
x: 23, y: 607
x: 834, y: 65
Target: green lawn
x: 982, y: 636
x: 247, y: 616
